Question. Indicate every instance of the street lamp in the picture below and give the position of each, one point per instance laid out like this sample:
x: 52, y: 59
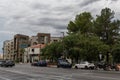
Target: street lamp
x: 63, y: 45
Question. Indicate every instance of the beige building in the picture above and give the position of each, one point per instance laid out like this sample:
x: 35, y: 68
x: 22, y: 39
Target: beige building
x: 14, y: 49
x: 40, y: 38
x: 43, y: 38
x: 33, y: 53
x: 55, y: 39
x: 8, y: 49
x: 1, y: 56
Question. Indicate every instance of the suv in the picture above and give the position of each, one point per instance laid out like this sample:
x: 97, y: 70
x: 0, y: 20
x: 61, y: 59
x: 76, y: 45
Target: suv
x: 63, y: 63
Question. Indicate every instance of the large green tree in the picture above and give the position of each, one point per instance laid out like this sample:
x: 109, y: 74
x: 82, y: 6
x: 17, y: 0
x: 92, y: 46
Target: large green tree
x: 107, y: 28
x: 82, y: 23
x: 53, y: 51
x: 81, y: 47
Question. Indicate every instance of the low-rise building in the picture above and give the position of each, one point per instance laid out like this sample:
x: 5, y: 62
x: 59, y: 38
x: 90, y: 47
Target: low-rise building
x: 55, y: 39
x: 33, y: 53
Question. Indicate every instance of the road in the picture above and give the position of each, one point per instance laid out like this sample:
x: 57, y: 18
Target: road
x: 27, y: 72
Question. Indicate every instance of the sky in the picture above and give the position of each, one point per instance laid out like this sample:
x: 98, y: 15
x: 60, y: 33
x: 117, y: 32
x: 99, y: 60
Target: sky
x: 30, y: 17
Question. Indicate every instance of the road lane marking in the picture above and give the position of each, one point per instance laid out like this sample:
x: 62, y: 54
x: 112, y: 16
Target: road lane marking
x: 42, y: 76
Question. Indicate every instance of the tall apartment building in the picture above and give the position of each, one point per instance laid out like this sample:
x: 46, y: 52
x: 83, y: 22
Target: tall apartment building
x: 8, y: 49
x: 40, y: 38
x: 20, y: 42
x: 43, y: 38
x: 33, y: 40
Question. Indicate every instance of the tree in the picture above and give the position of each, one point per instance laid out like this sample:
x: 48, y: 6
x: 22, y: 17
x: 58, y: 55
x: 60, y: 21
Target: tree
x: 21, y: 59
x: 83, y: 23
x: 107, y: 28
x: 116, y: 53
x: 81, y: 47
x: 53, y: 51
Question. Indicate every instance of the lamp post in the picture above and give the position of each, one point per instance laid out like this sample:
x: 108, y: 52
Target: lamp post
x: 63, y: 45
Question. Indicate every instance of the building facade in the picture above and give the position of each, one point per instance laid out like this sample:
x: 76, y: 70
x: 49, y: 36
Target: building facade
x: 43, y: 38
x: 20, y: 46
x: 20, y: 42
x: 55, y: 39
x: 8, y: 49
x: 33, y: 53
x: 40, y: 38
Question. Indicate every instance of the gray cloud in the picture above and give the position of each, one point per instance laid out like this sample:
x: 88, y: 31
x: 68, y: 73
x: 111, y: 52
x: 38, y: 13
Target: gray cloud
x: 51, y: 16
x: 87, y: 2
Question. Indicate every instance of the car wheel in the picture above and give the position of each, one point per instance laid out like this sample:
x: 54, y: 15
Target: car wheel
x: 86, y: 67
x: 76, y: 67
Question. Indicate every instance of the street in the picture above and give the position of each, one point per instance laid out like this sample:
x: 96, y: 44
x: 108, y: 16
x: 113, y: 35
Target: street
x: 28, y: 72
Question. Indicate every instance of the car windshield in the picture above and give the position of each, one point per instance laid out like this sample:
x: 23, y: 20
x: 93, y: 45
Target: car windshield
x: 64, y: 62
x: 83, y: 62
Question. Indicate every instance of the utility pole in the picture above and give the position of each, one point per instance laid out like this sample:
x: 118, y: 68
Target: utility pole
x: 63, y: 45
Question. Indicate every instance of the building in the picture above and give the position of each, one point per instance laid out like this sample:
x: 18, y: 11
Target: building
x: 55, y: 39
x: 8, y: 49
x: 1, y: 56
x: 40, y: 38
x: 14, y: 49
x: 33, y: 53
x: 43, y: 38
x: 33, y: 40
x: 20, y: 42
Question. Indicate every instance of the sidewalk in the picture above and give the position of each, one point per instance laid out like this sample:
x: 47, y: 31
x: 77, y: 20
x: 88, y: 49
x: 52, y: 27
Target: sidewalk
x: 52, y: 66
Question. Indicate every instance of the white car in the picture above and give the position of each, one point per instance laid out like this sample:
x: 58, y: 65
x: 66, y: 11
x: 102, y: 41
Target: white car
x: 84, y: 65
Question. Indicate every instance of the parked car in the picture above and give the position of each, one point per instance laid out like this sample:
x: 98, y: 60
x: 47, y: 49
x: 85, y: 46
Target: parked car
x: 63, y: 63
x: 84, y: 65
x: 2, y: 62
x: 34, y: 64
x: 7, y: 63
x: 39, y: 63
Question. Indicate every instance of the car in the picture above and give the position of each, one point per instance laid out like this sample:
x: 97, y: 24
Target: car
x: 63, y: 63
x: 7, y: 63
x: 41, y: 63
x: 84, y: 65
x: 34, y: 64
x: 2, y: 62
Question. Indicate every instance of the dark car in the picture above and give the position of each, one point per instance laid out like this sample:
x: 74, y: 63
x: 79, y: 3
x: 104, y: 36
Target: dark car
x: 40, y: 63
x: 2, y: 62
x: 7, y: 63
x: 34, y: 64
x: 63, y: 63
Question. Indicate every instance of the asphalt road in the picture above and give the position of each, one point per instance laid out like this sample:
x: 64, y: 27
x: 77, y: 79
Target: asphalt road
x: 27, y: 72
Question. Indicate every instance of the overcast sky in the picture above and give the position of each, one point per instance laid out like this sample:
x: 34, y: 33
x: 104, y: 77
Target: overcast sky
x: 47, y: 16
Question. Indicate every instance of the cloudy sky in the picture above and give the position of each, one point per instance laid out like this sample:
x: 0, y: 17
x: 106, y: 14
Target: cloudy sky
x: 47, y: 16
